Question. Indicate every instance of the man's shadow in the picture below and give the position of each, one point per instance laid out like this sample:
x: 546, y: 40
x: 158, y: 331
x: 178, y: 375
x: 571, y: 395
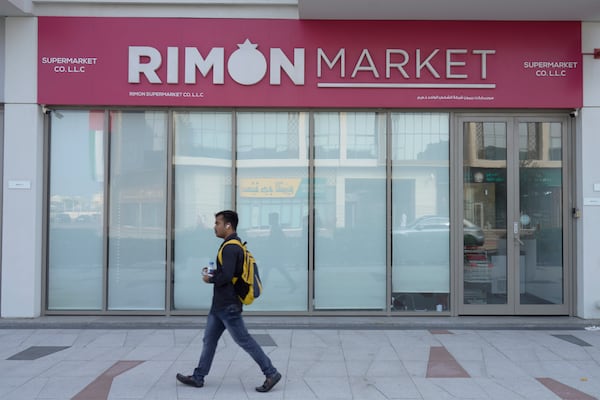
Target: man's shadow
x: 277, y: 253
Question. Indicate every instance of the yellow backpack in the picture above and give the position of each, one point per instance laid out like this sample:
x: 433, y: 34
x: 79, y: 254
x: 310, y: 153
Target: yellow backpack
x: 248, y: 285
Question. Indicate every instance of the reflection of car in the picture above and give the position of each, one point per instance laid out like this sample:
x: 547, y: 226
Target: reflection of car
x: 427, y: 239
x: 473, y: 234
x: 84, y: 218
x: 62, y: 217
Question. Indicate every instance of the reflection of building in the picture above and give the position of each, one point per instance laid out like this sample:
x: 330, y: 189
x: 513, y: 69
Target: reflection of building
x: 540, y: 168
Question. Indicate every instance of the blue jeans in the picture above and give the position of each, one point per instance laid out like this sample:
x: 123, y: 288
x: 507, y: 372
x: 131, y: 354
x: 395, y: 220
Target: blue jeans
x: 230, y: 318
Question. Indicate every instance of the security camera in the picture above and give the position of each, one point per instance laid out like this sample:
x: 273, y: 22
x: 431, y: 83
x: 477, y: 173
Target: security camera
x: 46, y: 110
x: 573, y: 114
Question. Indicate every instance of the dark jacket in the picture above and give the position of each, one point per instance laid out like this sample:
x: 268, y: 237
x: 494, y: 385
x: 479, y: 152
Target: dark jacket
x: 223, y: 290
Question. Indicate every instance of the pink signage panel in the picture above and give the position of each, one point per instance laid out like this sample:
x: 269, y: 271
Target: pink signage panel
x: 292, y: 63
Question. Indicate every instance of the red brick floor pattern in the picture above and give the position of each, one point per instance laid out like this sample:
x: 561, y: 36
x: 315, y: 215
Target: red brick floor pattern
x: 100, y: 387
x: 443, y: 365
x: 563, y: 391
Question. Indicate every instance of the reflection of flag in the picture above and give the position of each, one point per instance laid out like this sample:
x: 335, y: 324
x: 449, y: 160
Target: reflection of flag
x: 97, y: 145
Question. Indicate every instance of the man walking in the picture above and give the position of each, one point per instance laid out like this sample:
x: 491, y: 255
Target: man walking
x: 226, y: 310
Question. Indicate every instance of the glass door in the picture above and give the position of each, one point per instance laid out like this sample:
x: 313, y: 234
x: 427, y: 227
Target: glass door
x: 513, y: 216
x: 541, y: 215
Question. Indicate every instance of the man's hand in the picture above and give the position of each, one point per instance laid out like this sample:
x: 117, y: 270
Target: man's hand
x: 206, y: 278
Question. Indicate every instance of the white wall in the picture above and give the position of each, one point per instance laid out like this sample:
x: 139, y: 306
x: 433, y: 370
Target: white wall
x: 166, y: 9
x: 23, y: 161
x: 2, y: 57
x: 588, y: 269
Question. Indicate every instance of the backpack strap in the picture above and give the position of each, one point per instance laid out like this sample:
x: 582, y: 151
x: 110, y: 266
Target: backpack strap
x: 220, y: 252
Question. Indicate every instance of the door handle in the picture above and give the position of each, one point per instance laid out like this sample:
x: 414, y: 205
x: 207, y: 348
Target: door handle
x: 516, y: 232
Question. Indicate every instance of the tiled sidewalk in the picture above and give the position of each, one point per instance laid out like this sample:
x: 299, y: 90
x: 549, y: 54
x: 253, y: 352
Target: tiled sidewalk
x: 344, y: 364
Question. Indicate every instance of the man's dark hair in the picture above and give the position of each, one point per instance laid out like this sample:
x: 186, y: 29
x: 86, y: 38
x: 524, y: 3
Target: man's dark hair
x: 230, y: 217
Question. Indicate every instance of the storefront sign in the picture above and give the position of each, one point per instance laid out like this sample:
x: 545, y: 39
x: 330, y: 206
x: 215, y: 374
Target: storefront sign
x: 292, y: 63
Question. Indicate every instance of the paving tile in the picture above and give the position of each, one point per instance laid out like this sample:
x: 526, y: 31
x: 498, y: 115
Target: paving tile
x: 558, y: 369
x: 62, y: 388
x: 330, y: 388
x: 463, y: 352
x: 283, y: 337
x: 573, y: 339
x: 159, y: 338
x: 525, y: 388
x: 589, y: 370
x: 366, y: 389
x: 418, y: 352
x: 230, y: 388
x: 493, y: 390
x: 417, y: 369
x: 460, y: 388
x: 296, y: 388
x: 110, y: 339
x: 52, y: 338
x: 310, y: 339
x: 500, y: 367
x: 299, y: 368
x: 139, y: 379
x: 386, y: 369
x: 356, y: 368
x: 396, y: 388
x: 362, y: 354
x: 76, y: 369
x: 97, y: 353
x: 315, y: 354
x: 434, y: 389
x: 326, y: 369
x: 185, y: 336
x: 475, y: 369
x: 137, y: 336
x: 10, y: 385
x: 12, y: 369
x: 264, y: 339
x: 35, y: 352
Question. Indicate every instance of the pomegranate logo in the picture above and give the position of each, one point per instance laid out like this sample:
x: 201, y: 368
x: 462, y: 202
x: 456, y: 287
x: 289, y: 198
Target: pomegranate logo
x: 247, y: 65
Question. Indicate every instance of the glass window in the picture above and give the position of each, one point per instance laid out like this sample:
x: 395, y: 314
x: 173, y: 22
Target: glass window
x: 485, y: 253
x: 327, y: 135
x: 272, y: 202
x: 137, y: 216
x: 350, y: 216
x: 206, y: 134
x: 420, y: 211
x: 491, y: 141
x: 540, y: 141
x: 555, y: 142
x: 362, y: 135
x: 75, y: 234
x: 202, y: 188
x: 541, y: 216
x: 267, y: 135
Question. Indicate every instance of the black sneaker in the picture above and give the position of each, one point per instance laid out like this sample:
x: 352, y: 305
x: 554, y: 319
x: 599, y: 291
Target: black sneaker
x: 190, y: 380
x: 269, y: 383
